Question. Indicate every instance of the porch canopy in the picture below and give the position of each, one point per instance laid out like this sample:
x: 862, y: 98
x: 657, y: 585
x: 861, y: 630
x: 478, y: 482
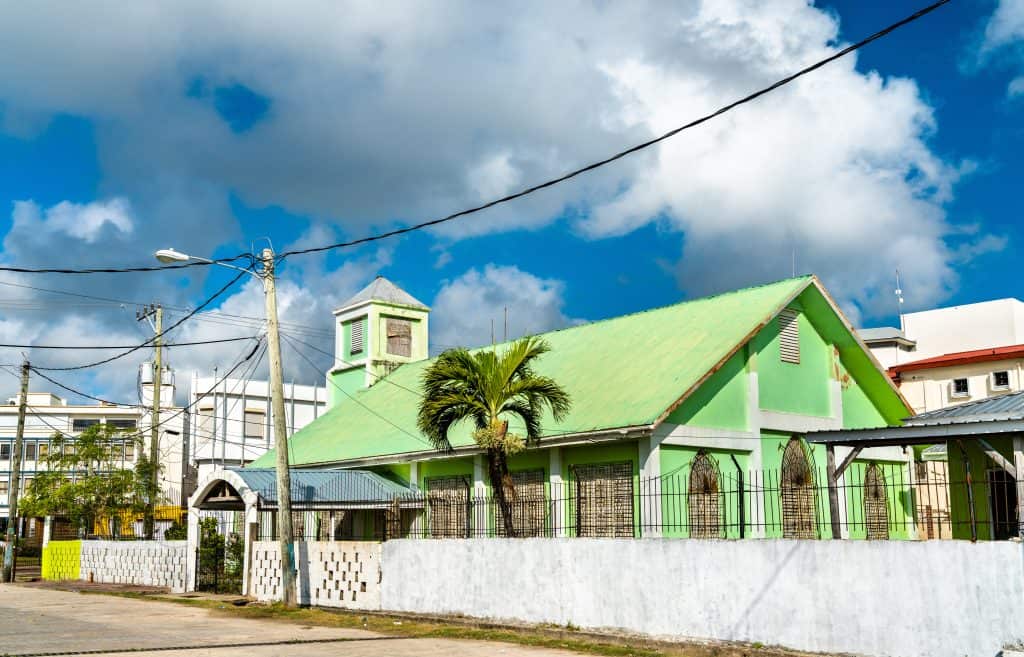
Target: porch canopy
x: 235, y: 489
x: 977, y: 422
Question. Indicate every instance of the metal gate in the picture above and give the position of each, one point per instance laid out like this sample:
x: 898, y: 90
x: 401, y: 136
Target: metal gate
x: 219, y: 555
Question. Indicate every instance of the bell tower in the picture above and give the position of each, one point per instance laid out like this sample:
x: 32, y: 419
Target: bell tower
x: 377, y: 330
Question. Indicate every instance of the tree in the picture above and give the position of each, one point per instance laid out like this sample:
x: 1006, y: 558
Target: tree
x: 86, y: 482
x: 487, y: 388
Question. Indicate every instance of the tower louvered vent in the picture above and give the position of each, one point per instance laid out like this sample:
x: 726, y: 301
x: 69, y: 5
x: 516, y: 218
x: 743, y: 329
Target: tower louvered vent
x: 789, y: 336
x: 357, y: 336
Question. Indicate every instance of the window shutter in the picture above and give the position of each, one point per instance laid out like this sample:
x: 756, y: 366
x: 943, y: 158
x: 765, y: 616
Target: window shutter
x: 357, y: 336
x: 254, y: 424
x: 399, y: 337
x: 789, y: 336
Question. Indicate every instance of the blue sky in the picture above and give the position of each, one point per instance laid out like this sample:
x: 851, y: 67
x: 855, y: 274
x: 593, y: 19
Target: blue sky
x: 226, y: 127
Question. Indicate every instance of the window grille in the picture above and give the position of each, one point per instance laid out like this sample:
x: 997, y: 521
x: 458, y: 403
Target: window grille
x: 799, y: 519
x: 448, y: 502
x: 129, y: 451
x: 254, y: 423
x: 528, y: 505
x: 604, y: 499
x: 30, y: 451
x: 876, y: 509
x: 44, y: 450
x: 122, y: 424
x: 399, y: 337
x: 789, y: 336
x: 357, y: 336
x: 1001, y: 380
x: 5, y: 451
x: 4, y: 486
x: 705, y: 508
x: 961, y: 388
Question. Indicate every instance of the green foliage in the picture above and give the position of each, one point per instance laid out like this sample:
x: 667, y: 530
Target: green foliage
x: 488, y: 388
x: 85, y: 480
x: 178, y: 531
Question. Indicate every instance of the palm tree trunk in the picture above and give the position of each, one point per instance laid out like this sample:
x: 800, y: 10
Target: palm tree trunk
x: 502, y: 488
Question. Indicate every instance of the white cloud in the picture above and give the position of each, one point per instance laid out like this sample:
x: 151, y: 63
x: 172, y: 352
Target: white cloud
x: 1004, y: 34
x: 464, y: 308
x: 383, y: 115
x: 87, y: 222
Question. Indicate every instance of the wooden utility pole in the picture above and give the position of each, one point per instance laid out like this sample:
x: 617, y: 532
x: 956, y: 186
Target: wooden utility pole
x: 149, y: 522
x: 284, y: 478
x: 12, y: 512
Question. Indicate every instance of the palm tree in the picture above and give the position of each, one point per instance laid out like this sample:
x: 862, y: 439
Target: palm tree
x: 488, y: 388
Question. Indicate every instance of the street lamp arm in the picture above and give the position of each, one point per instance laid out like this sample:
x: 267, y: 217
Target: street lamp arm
x: 170, y: 255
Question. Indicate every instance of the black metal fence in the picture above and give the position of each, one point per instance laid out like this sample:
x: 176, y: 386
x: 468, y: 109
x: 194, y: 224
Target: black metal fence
x: 874, y: 501
x: 117, y: 519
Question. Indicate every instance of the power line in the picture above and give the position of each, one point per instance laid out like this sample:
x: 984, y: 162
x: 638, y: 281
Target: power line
x: 151, y: 340
x: 633, y: 149
x: 124, y: 346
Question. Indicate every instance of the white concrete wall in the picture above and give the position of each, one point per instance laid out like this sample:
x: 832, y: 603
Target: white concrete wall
x: 997, y: 323
x: 345, y: 574
x: 934, y: 599
x: 143, y: 563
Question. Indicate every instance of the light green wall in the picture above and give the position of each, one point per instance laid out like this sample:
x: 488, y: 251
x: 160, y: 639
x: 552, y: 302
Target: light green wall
x: 721, y: 402
x: 790, y: 387
x: 445, y: 468
x: 899, y: 502
x: 675, y: 462
x: 858, y: 409
x: 347, y: 381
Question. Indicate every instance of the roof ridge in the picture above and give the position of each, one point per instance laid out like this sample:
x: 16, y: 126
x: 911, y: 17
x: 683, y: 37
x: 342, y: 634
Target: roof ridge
x: 710, y: 297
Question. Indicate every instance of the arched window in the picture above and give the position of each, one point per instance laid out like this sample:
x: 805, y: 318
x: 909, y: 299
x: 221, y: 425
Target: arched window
x: 876, y: 509
x: 797, y: 488
x: 704, y: 498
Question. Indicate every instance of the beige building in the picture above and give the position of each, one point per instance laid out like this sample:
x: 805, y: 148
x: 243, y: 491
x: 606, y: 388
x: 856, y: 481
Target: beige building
x: 952, y: 355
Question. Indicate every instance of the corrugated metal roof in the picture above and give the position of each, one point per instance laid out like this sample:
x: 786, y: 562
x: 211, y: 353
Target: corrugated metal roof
x: 314, y: 486
x: 1004, y: 407
x: 381, y: 289
x: 620, y: 372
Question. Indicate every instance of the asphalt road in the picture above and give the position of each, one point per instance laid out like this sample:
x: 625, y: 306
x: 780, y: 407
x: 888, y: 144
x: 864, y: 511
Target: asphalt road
x: 35, y: 621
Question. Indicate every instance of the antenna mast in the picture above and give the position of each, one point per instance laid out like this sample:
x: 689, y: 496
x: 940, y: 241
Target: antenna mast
x: 899, y: 299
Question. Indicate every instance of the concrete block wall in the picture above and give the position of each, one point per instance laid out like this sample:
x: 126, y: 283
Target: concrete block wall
x: 142, y: 563
x: 878, y: 598
x: 343, y: 574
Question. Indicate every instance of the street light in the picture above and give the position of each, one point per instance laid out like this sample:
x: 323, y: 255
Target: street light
x: 284, y: 485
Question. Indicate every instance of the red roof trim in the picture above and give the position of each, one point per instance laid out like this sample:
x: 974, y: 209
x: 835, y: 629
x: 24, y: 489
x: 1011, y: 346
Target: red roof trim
x: 960, y: 358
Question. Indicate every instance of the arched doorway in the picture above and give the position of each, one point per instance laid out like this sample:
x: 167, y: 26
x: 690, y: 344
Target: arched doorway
x: 704, y: 498
x: 799, y: 519
x: 876, y: 508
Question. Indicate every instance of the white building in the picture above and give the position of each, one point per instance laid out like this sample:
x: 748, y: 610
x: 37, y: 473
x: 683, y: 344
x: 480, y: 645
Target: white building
x: 231, y: 424
x: 48, y: 414
x: 953, y: 355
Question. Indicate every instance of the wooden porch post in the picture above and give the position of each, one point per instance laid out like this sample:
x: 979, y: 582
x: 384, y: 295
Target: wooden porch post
x: 1018, y: 461
x: 833, y: 491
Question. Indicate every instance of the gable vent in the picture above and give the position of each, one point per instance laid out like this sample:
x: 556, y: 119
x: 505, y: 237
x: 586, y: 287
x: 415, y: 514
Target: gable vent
x: 789, y: 336
x: 357, y: 336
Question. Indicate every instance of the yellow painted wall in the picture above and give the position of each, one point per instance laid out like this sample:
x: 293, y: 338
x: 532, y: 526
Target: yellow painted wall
x: 62, y: 560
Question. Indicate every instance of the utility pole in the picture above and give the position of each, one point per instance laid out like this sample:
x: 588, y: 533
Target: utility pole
x: 12, y: 512
x: 157, y: 312
x: 284, y: 477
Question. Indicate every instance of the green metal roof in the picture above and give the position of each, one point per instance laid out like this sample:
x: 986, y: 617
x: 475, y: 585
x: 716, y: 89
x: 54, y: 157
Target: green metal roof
x: 621, y: 372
